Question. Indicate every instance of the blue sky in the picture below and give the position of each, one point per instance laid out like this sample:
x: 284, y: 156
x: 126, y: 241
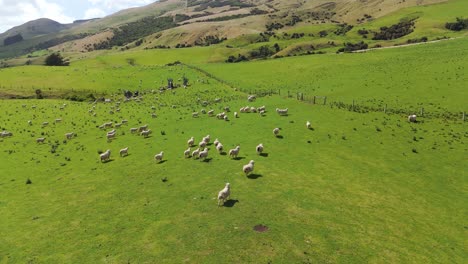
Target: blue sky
x: 17, y: 12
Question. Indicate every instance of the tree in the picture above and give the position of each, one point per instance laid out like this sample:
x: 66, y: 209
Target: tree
x: 55, y: 59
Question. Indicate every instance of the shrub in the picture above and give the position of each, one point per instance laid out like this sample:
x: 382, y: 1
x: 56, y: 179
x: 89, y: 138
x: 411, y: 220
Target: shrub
x: 395, y: 31
x: 55, y: 59
x: 458, y: 25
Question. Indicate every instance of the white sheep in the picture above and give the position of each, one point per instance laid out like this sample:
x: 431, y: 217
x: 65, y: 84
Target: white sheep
x: 29, y: 122
x: 207, y: 139
x: 220, y: 147
x: 227, y: 109
x: 234, y: 152
x: 40, y: 140
x: 105, y: 156
x: 224, y: 194
x: 123, y: 152
x: 145, y: 133
x: 6, y: 134
x: 248, y: 168
x: 226, y: 118
x: 276, y: 132
x: 58, y: 120
x: 195, y: 114
x: 308, y: 125
x: 187, y: 153
x: 190, y: 142
x: 159, y: 157
x: 133, y: 130
x: 259, y: 149
x: 143, y: 128
x: 202, y: 144
x: 195, y: 153
x: 282, y: 111
x: 412, y: 118
x: 45, y: 123
x: 110, y: 136
x: 211, y: 112
x: 203, y: 154
x: 216, y: 142
x: 236, y: 115
x: 69, y: 135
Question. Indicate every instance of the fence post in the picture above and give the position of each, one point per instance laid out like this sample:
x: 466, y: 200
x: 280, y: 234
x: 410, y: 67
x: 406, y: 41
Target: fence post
x: 325, y: 101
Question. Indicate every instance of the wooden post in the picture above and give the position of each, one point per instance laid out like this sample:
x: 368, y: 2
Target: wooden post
x: 325, y: 101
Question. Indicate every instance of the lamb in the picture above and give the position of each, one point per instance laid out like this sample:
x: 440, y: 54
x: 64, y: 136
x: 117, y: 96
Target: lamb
x: 203, y: 154
x: 40, y: 140
x: 105, y: 156
x: 123, y: 152
x: 187, y: 153
x: 216, y: 142
x: 69, y: 135
x: 282, y: 111
x: 248, y: 168
x: 219, y: 147
x: 308, y: 125
x: 276, y: 132
x: 251, y: 98
x: 145, y: 133
x: 159, y: 157
x: 195, y: 153
x: 259, y: 149
x: 227, y: 109
x: 190, y: 142
x: 224, y: 194
x: 412, y: 118
x: 234, y: 152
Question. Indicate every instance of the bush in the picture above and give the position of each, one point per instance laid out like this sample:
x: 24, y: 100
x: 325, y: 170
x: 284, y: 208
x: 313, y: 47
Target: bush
x: 55, y: 59
x: 349, y: 47
x: 459, y: 25
x: 395, y: 31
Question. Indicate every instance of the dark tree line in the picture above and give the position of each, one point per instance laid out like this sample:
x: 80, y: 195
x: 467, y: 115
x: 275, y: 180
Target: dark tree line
x: 395, y: 31
x: 458, y: 25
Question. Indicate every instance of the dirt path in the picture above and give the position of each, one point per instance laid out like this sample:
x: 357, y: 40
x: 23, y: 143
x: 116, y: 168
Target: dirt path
x: 406, y: 45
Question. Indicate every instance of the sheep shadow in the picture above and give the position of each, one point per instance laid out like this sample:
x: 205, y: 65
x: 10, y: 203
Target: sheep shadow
x: 279, y: 136
x: 223, y: 153
x: 311, y: 128
x: 265, y: 155
x: 254, y: 176
x: 107, y: 161
x: 238, y: 158
x: 230, y: 203
x: 207, y: 160
x: 161, y: 162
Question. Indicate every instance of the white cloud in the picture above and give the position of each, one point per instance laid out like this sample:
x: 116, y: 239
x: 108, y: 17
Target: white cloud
x: 17, y: 12
x: 94, y: 13
x: 119, y: 4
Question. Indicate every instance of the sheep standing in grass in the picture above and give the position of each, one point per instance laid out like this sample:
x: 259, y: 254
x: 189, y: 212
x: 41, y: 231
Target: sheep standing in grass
x: 203, y: 154
x: 195, y: 153
x: 145, y: 133
x: 187, y: 153
x: 219, y: 147
x: 69, y: 135
x: 110, y: 136
x: 234, y: 152
x: 207, y: 139
x: 40, y: 140
x: 259, y: 149
x: 105, y: 156
x: 236, y: 115
x: 190, y: 142
x: 282, y: 111
x: 133, y: 130
x: 123, y: 152
x: 216, y: 142
x: 159, y: 157
x: 412, y: 118
x: 195, y: 114
x: 276, y: 131
x: 248, y: 168
x: 308, y: 125
x: 224, y: 194
x: 202, y: 144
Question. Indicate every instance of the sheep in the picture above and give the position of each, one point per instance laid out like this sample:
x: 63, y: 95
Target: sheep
x: 6, y: 134
x: 159, y: 157
x: 190, y: 142
x: 251, y: 98
x: 133, y: 130
x: 45, y: 123
x: 282, y: 111
x: 224, y: 194
x: 207, y: 139
x: 216, y: 142
x: 58, y: 120
x: 143, y: 128
x: 236, y: 115
x: 276, y: 132
x: 253, y: 109
x: 40, y: 140
x: 219, y: 147
x: 69, y: 135
x: 227, y: 109
x: 153, y: 115
x: 203, y: 154
x: 195, y: 153
x: 259, y: 149
x: 203, y: 111
x: 110, y: 136
x: 187, y: 153
x: 262, y: 112
x: 211, y: 112
x: 118, y: 125
x: 30, y: 122
x: 248, y: 168
x: 261, y: 108
x: 412, y: 118
x: 195, y: 114
x: 123, y: 152
x: 308, y: 125
x: 234, y: 152
x: 145, y: 133
x: 111, y: 132
x: 105, y: 156
x: 202, y: 144
x: 124, y: 121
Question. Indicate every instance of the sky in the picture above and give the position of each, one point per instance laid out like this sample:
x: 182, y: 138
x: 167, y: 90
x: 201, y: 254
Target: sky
x: 16, y: 12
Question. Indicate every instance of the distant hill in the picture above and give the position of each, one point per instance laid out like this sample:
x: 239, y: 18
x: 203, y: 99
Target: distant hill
x: 181, y: 23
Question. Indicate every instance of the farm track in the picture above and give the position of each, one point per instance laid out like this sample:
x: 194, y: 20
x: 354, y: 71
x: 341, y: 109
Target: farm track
x: 405, y: 45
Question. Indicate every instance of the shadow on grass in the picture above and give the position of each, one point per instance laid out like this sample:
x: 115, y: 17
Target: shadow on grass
x: 230, y: 203
x: 126, y: 155
x: 107, y: 161
x: 162, y: 161
x: 223, y: 153
x: 207, y: 160
x: 265, y: 155
x: 238, y: 158
x: 254, y: 176
x: 311, y: 128
x: 279, y: 136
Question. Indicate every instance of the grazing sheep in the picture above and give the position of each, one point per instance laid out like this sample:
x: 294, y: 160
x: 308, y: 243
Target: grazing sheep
x: 251, y: 98
x: 227, y: 109
x: 187, y: 153
x: 40, y: 140
x: 133, y: 130
x: 123, y: 152
x: 219, y: 147
x: 282, y: 111
x: 29, y: 122
x: 308, y: 125
x: 203, y: 154
x: 105, y: 156
x: 124, y: 121
x: 236, y: 115
x: 248, y: 168
x: 262, y: 112
x: 143, y: 128
x: 226, y: 118
x: 145, y: 133
x: 261, y: 108
x: 412, y: 118
x: 111, y: 132
x: 195, y: 153
x: 211, y: 112
x: 159, y: 157
x: 276, y: 132
x: 118, y: 125
x: 190, y: 142
x: 6, y: 134
x: 195, y: 114
x: 207, y: 139
x: 69, y: 135
x: 259, y: 149
x: 224, y: 194
x: 45, y: 123
x: 203, y: 111
x: 153, y: 115
x: 110, y: 136
x: 216, y: 142
x: 58, y: 120
x: 253, y: 109
x: 234, y: 152
x: 202, y: 144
